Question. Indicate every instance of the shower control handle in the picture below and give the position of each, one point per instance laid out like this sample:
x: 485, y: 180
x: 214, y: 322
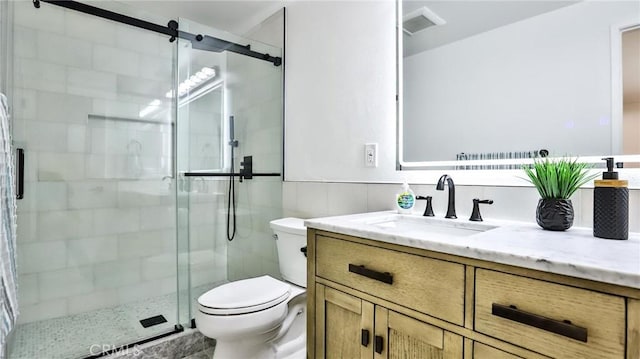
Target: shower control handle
x: 246, y: 171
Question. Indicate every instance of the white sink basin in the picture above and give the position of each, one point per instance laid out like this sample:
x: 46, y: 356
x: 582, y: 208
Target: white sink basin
x: 403, y: 224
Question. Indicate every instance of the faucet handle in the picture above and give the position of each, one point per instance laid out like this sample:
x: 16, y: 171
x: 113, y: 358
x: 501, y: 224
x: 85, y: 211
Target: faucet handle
x: 475, y: 213
x: 428, y: 210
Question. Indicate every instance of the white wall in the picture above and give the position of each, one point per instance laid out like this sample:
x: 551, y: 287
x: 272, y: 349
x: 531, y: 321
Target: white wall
x: 340, y: 90
x: 270, y: 31
x: 544, y: 82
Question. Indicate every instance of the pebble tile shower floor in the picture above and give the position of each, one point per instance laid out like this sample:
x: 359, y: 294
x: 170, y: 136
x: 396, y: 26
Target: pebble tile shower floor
x: 73, y: 336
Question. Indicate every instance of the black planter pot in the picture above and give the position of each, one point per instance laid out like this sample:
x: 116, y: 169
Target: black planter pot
x: 554, y: 214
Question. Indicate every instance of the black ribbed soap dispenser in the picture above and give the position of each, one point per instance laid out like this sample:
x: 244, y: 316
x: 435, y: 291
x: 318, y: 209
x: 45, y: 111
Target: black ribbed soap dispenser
x: 611, y: 205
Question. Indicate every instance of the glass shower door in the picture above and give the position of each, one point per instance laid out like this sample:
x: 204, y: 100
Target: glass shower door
x: 200, y: 133
x: 97, y: 234
x: 215, y: 87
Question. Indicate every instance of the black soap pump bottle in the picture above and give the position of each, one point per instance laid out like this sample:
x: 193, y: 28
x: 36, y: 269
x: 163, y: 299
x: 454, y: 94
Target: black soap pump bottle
x: 611, y: 205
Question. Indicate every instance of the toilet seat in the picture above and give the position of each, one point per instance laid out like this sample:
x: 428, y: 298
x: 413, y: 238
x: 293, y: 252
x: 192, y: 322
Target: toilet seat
x: 244, y: 296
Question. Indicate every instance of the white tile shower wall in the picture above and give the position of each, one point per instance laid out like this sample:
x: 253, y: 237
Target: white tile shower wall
x: 202, y: 260
x: 91, y: 234
x: 320, y: 199
x: 207, y: 243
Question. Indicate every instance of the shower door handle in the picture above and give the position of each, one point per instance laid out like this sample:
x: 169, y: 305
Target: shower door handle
x: 19, y: 173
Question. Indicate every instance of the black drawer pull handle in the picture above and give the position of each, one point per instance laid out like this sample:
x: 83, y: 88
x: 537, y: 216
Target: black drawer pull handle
x: 364, y: 338
x: 378, y: 344
x: 20, y: 173
x: 385, y: 277
x: 561, y: 327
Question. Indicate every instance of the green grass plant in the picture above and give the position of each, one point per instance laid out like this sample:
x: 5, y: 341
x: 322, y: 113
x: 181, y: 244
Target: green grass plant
x: 558, y: 178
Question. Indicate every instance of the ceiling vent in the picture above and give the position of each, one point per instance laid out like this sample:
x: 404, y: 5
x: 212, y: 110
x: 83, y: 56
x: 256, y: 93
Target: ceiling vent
x: 420, y: 19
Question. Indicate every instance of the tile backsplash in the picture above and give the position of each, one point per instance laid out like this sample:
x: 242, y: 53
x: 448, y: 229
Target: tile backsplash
x: 320, y: 199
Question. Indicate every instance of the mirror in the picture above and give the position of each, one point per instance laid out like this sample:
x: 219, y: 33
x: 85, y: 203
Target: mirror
x: 505, y: 81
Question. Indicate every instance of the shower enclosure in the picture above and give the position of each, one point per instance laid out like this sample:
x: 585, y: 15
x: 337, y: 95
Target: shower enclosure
x: 126, y: 137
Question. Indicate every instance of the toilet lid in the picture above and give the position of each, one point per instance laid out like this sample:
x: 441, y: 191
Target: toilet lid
x: 244, y: 296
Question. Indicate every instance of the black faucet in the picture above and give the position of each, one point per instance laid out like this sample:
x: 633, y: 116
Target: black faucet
x: 451, y: 207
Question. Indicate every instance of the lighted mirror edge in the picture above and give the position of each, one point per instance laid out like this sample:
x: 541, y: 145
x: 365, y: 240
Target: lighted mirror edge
x: 401, y: 164
x: 513, y: 161
x: 399, y: 88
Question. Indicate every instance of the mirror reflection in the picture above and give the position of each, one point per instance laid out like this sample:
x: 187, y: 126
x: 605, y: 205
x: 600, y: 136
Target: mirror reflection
x: 517, y: 79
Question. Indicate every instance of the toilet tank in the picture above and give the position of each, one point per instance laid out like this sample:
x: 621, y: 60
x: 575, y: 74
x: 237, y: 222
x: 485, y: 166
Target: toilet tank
x: 291, y: 237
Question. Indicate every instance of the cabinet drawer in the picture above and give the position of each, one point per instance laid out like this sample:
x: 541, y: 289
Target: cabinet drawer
x: 552, y: 319
x: 481, y: 351
x: 430, y: 286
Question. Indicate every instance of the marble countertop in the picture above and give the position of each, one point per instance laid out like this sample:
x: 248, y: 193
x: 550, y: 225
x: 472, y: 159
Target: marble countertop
x: 575, y: 252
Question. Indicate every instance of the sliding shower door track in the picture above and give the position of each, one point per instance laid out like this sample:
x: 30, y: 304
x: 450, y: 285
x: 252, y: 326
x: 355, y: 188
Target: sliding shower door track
x: 198, y: 41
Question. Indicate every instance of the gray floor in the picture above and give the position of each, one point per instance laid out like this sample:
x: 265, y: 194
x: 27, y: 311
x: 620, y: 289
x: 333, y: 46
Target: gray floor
x: 83, y: 334
x: 205, y: 354
x: 190, y: 344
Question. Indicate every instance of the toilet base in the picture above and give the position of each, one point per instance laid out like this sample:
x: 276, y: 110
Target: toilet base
x: 264, y: 346
x: 293, y: 345
x: 240, y: 349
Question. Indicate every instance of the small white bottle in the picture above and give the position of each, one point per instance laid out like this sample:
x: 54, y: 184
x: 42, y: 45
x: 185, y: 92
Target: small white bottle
x: 405, y: 199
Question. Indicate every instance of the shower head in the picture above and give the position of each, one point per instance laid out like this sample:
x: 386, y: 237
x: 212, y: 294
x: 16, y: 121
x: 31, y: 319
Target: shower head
x: 232, y: 136
x: 231, y: 128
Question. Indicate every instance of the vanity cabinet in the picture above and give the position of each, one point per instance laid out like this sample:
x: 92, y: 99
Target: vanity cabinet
x: 350, y: 327
x: 370, y: 299
x: 482, y: 351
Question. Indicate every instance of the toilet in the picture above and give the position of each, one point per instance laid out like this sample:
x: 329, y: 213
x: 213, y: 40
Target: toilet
x: 262, y: 317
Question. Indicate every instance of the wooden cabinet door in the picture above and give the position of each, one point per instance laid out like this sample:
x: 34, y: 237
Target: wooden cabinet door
x: 404, y: 337
x: 344, y: 325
